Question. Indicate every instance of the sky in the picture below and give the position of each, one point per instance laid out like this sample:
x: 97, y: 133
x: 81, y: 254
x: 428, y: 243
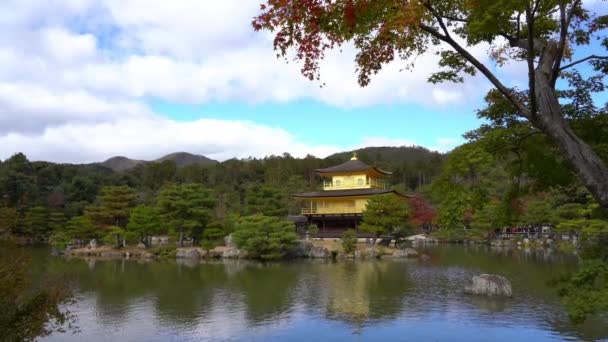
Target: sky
x: 84, y: 80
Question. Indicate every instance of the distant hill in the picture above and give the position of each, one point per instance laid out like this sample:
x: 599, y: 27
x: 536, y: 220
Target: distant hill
x: 388, y: 155
x: 121, y: 163
x: 181, y: 159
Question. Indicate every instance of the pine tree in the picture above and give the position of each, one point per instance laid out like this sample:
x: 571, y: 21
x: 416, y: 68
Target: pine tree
x: 57, y: 221
x: 144, y: 222
x: 36, y: 222
x: 115, y: 206
x: 265, y: 237
x: 265, y: 200
x: 187, y: 209
x: 385, y: 215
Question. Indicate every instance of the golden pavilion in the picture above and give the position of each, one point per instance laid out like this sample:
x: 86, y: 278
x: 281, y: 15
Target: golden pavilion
x: 346, y: 189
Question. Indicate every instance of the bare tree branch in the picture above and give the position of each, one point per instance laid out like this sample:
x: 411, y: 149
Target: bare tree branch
x: 530, y: 59
x: 460, y: 20
x: 565, y: 20
x: 508, y: 94
x: 583, y: 60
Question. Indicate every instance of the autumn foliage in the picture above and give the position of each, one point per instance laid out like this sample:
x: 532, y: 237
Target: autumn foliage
x: 422, y: 211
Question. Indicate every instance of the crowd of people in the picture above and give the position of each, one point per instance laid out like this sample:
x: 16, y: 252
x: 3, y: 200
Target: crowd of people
x: 530, y: 231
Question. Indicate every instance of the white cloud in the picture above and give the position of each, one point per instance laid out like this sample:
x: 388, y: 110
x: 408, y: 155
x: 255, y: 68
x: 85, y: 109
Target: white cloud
x: 67, y: 48
x: 23, y: 107
x: 76, y: 77
x: 189, y: 50
x: 152, y: 137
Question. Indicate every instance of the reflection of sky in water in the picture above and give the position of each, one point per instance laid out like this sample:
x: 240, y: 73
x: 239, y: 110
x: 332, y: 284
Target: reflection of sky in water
x: 304, y: 301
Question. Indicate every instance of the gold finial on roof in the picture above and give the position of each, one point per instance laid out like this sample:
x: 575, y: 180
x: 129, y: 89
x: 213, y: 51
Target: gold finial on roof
x: 354, y: 157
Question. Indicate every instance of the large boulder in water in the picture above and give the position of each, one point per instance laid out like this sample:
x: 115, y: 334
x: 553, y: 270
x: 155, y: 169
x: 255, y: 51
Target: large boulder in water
x: 405, y: 253
x: 489, y: 285
x: 319, y: 252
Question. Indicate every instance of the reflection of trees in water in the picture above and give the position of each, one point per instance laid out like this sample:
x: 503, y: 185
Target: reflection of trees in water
x: 181, y: 294
x: 361, y: 291
x: 593, y: 329
x: 184, y: 294
x: 267, y: 290
x: 191, y: 295
x: 529, y: 271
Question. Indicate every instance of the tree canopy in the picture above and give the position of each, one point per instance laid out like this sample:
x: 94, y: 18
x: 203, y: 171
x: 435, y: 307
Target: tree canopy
x: 545, y: 35
x: 385, y: 214
x: 264, y: 237
x: 187, y: 208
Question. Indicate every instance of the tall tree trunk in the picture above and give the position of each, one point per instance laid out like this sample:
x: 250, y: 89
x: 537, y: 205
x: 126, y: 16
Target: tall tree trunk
x: 590, y: 168
x: 181, y: 237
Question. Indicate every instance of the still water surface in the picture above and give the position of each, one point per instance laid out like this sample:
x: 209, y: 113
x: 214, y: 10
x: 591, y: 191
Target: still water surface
x: 387, y: 300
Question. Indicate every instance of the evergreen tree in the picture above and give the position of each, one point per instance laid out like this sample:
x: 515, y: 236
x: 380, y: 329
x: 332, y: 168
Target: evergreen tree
x: 8, y: 220
x: 187, y: 209
x: 385, y: 215
x: 115, y: 206
x: 265, y: 200
x: 78, y: 228
x: 144, y: 222
x: 17, y: 182
x: 265, y: 237
x: 214, y: 232
x: 116, y: 203
x: 36, y: 222
x: 349, y: 241
x: 57, y: 221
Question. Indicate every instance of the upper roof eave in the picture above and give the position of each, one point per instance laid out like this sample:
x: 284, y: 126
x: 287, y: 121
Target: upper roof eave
x: 351, y: 166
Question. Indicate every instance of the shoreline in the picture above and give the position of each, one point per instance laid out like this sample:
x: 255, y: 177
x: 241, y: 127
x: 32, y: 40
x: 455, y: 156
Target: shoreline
x: 315, y: 249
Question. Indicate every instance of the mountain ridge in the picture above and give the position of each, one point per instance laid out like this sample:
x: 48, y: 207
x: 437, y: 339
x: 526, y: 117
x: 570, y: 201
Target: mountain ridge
x: 181, y: 159
x: 375, y: 155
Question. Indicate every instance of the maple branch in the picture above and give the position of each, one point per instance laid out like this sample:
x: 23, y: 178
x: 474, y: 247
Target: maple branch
x: 481, y: 67
x: 437, y: 16
x: 583, y: 60
x: 565, y: 20
x: 536, y: 5
x: 530, y: 60
x: 460, y: 20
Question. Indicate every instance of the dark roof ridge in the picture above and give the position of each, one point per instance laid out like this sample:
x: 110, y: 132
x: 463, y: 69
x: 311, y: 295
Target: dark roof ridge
x: 353, y: 165
x: 348, y: 192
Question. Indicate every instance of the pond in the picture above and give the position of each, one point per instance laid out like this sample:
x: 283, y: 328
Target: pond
x: 130, y: 300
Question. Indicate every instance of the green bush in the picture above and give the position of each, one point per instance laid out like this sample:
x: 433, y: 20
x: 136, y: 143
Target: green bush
x: 313, y: 230
x: 265, y: 237
x: 349, y: 241
x: 114, y: 236
x: 165, y: 251
x: 208, y: 245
